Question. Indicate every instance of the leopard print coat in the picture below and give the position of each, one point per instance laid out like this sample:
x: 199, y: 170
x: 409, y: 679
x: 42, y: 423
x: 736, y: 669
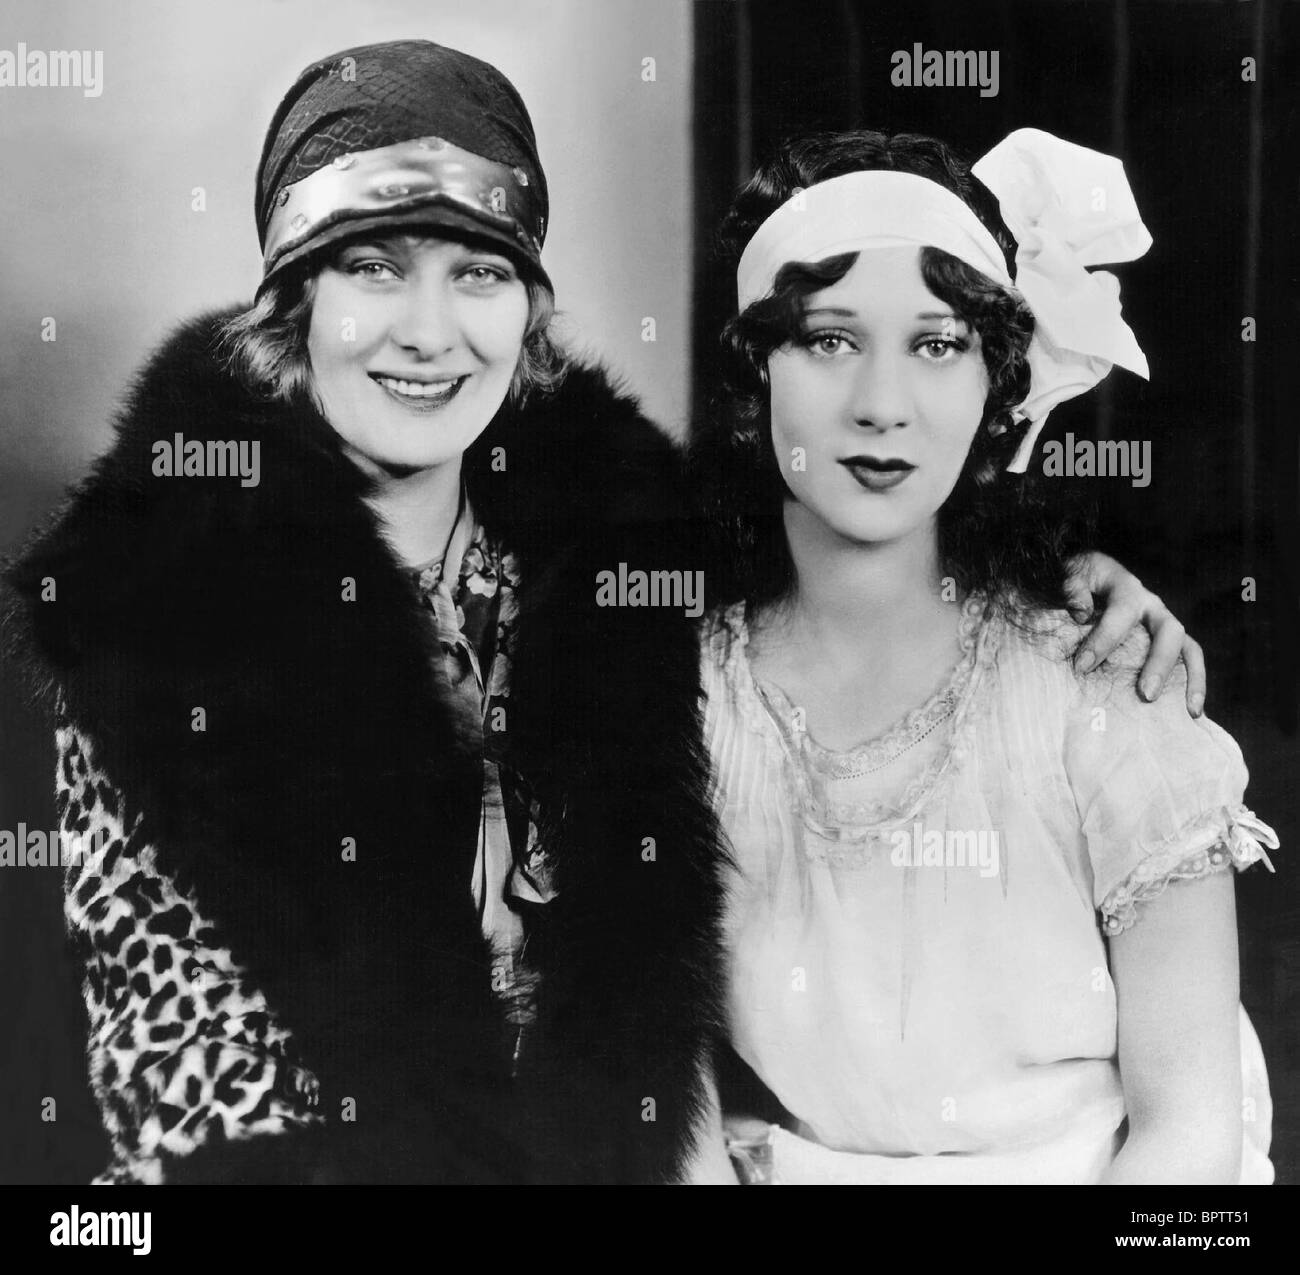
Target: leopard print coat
x: 183, y: 1047
x: 266, y: 1007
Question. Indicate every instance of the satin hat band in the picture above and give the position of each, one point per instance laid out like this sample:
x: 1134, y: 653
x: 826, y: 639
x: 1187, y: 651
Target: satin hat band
x: 425, y: 182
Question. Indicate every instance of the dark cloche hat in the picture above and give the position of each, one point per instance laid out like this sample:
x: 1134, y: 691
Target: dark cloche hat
x: 407, y: 133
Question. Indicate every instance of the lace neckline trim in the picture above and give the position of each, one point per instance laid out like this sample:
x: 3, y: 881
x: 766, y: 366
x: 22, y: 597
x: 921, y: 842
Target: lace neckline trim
x: 907, y: 731
x: 811, y: 767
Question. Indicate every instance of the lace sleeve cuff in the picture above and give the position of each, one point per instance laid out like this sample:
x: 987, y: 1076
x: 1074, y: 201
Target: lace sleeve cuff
x: 1216, y: 841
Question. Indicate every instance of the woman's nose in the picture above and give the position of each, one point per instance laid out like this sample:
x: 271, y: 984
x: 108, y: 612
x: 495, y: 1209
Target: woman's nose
x: 880, y: 393
x: 426, y: 324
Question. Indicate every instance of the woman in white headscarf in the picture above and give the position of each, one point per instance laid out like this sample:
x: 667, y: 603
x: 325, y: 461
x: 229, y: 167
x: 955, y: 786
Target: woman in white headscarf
x: 981, y: 927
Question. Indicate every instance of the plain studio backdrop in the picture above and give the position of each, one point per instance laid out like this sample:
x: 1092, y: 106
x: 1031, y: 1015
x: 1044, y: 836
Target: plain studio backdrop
x: 648, y: 114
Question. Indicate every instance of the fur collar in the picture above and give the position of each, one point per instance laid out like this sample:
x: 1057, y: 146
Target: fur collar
x: 322, y: 723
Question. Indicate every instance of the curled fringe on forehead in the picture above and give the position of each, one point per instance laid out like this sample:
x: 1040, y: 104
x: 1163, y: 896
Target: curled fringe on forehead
x: 266, y: 344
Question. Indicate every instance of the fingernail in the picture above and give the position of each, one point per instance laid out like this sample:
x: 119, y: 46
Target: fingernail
x: 1149, y: 688
x: 1198, y: 705
x: 1087, y: 659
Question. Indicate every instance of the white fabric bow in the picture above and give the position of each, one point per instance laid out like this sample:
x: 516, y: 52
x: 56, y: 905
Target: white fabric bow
x: 1069, y: 208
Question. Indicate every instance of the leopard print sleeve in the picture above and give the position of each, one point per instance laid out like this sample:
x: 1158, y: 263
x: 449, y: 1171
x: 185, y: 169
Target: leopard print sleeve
x: 183, y: 1051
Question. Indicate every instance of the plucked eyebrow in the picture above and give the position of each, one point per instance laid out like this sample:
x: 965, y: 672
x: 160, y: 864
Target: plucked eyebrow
x: 840, y: 313
x: 398, y: 244
x: 380, y: 243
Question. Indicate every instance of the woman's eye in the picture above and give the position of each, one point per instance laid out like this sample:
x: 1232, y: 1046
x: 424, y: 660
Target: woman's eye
x: 370, y: 268
x: 485, y: 275
x: 939, y: 349
x: 826, y: 343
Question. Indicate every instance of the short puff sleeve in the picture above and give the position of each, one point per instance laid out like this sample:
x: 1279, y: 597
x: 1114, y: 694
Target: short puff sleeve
x: 1160, y: 794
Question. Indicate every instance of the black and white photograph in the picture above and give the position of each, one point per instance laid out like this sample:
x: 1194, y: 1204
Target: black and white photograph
x: 650, y: 592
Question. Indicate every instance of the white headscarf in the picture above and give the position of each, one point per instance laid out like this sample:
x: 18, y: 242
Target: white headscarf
x: 1067, y: 206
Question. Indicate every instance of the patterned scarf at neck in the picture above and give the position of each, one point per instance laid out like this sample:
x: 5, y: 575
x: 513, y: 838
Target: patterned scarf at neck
x: 475, y: 622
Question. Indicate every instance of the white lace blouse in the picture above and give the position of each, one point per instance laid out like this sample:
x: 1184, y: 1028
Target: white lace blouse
x: 916, y: 927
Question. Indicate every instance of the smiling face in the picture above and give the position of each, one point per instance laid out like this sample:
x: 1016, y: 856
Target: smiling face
x: 413, y: 343
x: 883, y: 390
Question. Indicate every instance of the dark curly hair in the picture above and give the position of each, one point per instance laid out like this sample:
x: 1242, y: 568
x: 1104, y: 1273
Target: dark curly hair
x: 999, y: 533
